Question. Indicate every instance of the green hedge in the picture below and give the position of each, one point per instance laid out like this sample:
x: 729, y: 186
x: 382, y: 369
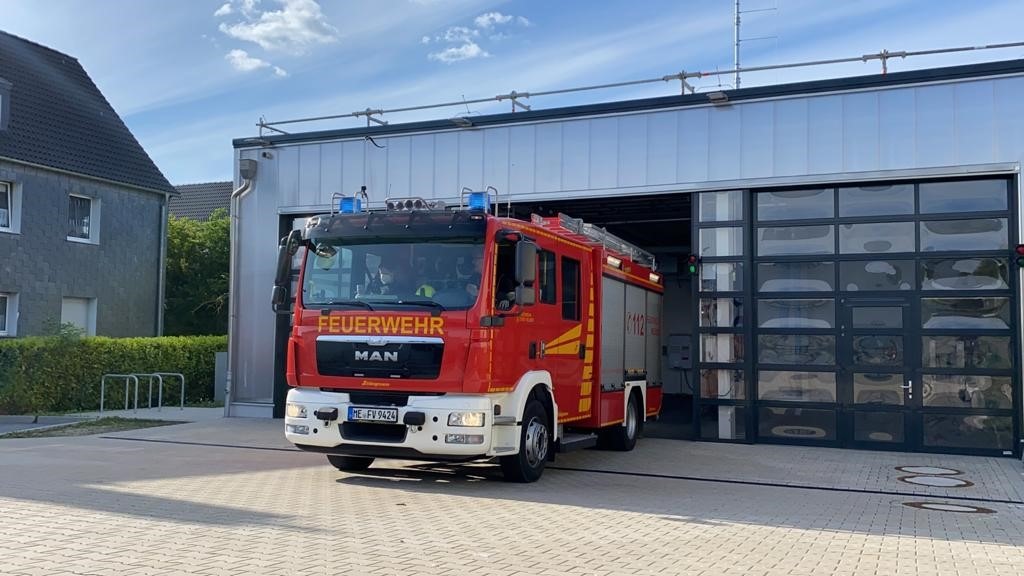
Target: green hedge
x: 62, y: 373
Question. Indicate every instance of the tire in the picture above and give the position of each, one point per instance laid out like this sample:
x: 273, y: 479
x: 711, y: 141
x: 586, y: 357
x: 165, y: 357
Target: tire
x: 349, y: 463
x: 534, y: 443
x: 623, y: 438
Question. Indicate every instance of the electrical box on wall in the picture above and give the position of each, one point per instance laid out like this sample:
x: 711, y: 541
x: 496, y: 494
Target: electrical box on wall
x: 679, y: 352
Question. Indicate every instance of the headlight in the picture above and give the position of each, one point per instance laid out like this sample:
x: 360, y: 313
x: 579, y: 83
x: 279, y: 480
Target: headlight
x: 464, y: 438
x: 297, y: 429
x: 295, y: 410
x: 475, y: 419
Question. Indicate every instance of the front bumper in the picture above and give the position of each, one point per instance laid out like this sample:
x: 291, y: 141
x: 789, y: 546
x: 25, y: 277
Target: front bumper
x: 426, y: 441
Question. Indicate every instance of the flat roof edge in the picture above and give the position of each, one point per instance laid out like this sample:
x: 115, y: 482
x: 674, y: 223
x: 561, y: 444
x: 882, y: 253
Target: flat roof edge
x: 966, y: 71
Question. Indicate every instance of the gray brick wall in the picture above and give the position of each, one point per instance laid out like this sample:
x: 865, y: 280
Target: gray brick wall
x: 42, y: 266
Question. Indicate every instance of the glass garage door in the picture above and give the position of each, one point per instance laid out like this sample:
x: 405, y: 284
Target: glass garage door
x: 883, y: 317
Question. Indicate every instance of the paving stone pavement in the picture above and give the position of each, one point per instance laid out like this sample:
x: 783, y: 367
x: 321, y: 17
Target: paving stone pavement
x: 252, y: 505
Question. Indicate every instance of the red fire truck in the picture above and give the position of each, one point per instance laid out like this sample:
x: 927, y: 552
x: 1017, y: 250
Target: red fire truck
x: 424, y: 332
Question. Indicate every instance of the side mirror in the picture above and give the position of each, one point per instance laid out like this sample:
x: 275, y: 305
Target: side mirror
x: 526, y: 263
x: 286, y: 249
x: 526, y: 273
x: 279, y: 300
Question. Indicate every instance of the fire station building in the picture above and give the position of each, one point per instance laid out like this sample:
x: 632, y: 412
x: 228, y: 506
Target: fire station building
x: 840, y: 257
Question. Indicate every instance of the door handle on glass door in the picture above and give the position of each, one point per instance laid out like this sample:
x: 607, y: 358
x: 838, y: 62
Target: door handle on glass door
x: 909, y: 387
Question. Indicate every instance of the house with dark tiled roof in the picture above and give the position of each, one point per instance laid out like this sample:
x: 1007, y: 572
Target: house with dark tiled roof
x: 198, y: 201
x: 83, y: 208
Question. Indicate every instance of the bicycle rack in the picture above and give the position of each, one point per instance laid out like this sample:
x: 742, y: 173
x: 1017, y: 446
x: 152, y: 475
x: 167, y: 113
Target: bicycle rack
x: 127, y: 379
x: 160, y: 394
x: 149, y: 379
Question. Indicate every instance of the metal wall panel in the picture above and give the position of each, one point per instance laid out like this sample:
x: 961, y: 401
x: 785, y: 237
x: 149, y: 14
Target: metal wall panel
x: 756, y: 149
x: 613, y: 328
x: 895, y: 129
x: 825, y: 136
x: 724, y: 144
x: 309, y: 174
x: 377, y: 168
x: 548, y: 158
x: 935, y: 125
x: 576, y: 155
x: 496, y: 159
x: 353, y: 168
x: 421, y: 164
x: 330, y: 172
x: 521, y: 157
x: 604, y: 153
x: 790, y: 138
x: 694, y: 144
x: 1009, y: 112
x: 446, y: 165
x: 287, y: 176
x: 632, y: 153
x: 975, y: 119
x: 471, y: 160
x: 400, y: 167
x: 860, y: 131
x: 662, y: 147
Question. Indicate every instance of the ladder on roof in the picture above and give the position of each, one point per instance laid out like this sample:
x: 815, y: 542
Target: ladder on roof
x: 600, y: 236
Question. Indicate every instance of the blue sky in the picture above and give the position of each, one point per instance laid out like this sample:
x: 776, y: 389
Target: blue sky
x: 189, y: 76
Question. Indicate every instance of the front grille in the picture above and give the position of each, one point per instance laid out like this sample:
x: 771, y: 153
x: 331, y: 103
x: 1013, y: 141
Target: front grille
x: 392, y: 361
x: 368, y: 432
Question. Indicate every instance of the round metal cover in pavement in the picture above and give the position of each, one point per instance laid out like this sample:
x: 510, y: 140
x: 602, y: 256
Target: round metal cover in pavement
x: 944, y: 507
x: 928, y: 470
x: 936, y: 481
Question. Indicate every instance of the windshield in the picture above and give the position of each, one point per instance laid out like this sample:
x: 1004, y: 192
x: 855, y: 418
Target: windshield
x: 443, y: 274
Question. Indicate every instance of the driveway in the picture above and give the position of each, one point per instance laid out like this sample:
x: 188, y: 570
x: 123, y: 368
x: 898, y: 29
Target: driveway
x: 232, y: 497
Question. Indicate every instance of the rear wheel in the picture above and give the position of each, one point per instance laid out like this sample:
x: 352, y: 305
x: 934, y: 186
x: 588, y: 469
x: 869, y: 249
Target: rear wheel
x: 534, y: 443
x: 624, y: 437
x: 349, y: 463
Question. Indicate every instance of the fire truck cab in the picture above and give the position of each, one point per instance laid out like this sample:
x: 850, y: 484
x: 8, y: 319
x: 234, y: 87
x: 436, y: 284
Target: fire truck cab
x: 426, y: 332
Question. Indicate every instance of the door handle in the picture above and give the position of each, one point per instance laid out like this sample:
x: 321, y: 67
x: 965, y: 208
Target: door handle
x: 909, y: 387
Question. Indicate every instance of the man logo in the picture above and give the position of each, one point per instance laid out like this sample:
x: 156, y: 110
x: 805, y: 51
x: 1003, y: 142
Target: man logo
x: 376, y: 356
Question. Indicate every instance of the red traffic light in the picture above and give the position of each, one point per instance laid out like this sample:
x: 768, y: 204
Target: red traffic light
x: 692, y: 259
x: 1019, y: 249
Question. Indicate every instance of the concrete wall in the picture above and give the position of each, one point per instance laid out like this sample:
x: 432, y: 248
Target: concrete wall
x: 42, y: 266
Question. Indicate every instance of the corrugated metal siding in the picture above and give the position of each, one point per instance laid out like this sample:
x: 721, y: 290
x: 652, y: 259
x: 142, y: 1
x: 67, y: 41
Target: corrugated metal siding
x: 949, y: 124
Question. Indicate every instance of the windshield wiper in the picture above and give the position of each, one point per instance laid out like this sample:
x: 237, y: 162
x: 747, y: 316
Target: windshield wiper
x: 346, y: 303
x: 423, y: 302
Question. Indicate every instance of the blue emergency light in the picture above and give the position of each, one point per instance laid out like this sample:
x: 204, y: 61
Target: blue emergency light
x: 350, y: 205
x: 479, y: 201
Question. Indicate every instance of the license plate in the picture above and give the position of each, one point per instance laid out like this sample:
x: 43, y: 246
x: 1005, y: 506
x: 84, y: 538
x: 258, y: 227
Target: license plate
x: 389, y: 415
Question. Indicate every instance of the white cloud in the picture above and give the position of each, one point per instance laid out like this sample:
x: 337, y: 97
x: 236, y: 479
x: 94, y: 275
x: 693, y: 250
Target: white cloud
x: 459, y: 34
x: 224, y: 10
x: 425, y: 40
x: 489, y: 20
x: 298, y: 25
x: 241, y: 60
x: 467, y: 51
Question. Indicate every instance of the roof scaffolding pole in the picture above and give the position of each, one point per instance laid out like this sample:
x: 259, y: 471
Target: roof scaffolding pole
x: 372, y: 115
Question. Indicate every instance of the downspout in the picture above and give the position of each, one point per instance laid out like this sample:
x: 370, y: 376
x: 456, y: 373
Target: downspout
x: 162, y: 289
x: 247, y: 172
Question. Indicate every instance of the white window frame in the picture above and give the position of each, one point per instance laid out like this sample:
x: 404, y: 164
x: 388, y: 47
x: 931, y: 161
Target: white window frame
x: 13, y: 191
x: 11, y: 315
x: 94, y: 220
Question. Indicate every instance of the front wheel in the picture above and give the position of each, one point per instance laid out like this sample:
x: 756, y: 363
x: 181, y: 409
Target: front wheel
x: 534, y: 443
x: 349, y: 463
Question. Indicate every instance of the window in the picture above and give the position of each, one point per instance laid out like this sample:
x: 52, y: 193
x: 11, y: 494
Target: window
x: 799, y: 204
x: 6, y: 207
x: 83, y: 219
x: 570, y: 289
x: 546, y: 263
x: 8, y: 307
x: 80, y: 312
